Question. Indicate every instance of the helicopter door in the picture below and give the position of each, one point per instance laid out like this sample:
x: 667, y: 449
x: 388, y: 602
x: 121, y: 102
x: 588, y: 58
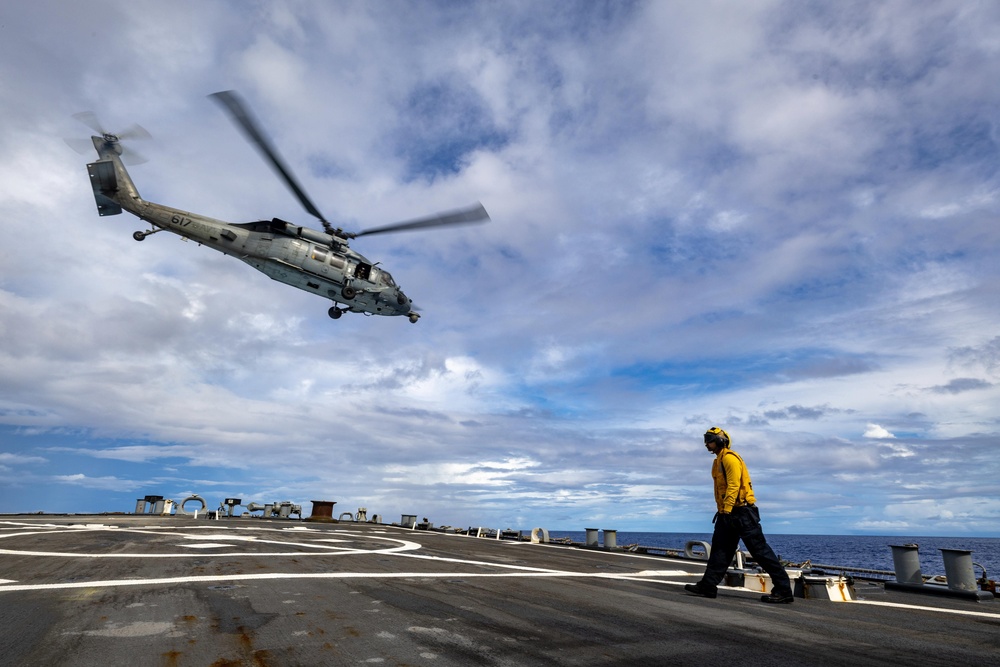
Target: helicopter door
x: 363, y: 271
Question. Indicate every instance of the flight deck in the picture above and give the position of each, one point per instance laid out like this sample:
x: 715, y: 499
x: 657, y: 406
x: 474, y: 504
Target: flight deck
x: 151, y: 590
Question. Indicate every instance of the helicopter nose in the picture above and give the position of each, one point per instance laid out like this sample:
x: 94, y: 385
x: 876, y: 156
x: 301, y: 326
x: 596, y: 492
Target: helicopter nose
x: 402, y: 299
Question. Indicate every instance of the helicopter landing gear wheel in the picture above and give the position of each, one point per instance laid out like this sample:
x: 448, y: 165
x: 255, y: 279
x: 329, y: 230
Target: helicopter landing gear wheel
x: 139, y: 236
x: 335, y: 312
x: 349, y: 292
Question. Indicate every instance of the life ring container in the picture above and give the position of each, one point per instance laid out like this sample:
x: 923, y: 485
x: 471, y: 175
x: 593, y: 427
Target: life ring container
x: 689, y: 551
x: 535, y: 539
x: 181, y: 510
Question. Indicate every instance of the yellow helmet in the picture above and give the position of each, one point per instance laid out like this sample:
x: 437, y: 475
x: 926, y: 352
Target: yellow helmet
x: 716, y: 434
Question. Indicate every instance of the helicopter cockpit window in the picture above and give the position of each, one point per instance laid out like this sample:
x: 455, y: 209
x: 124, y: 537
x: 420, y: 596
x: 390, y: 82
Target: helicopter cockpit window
x: 384, y: 278
x: 319, y: 254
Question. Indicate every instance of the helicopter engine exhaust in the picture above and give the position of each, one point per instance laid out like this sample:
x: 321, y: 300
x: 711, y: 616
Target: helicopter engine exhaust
x: 303, y: 232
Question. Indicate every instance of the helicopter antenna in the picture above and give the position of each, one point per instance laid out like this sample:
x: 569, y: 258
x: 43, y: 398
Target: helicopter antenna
x: 241, y: 115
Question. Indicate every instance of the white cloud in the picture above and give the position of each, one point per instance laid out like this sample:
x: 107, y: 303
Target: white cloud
x: 106, y: 483
x: 779, y: 221
x: 877, y: 432
x: 18, y: 459
x: 479, y: 474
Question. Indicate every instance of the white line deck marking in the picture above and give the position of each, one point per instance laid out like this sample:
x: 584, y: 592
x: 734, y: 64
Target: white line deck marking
x: 409, y: 575
x: 116, y: 583
x: 203, y: 545
x: 900, y: 605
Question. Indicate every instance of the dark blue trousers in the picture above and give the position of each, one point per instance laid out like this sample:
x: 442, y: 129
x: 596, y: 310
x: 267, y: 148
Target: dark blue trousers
x: 742, y: 523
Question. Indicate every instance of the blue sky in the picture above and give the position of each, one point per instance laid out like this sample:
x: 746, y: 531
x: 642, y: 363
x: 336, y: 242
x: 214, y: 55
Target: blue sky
x: 775, y: 217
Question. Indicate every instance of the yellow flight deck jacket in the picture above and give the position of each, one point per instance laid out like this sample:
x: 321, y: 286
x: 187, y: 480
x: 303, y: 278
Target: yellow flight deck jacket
x: 732, y: 481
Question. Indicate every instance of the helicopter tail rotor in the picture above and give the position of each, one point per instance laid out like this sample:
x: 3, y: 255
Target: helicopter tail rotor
x: 114, y: 139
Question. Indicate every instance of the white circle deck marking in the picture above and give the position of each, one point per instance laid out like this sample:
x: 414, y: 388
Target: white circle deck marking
x: 310, y: 542
x: 228, y: 539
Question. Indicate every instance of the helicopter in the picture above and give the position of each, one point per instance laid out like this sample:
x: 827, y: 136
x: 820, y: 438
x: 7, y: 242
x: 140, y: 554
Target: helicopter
x: 318, y: 262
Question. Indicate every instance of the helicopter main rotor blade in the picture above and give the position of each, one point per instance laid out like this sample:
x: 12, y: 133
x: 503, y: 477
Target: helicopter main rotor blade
x: 240, y: 113
x: 463, y: 216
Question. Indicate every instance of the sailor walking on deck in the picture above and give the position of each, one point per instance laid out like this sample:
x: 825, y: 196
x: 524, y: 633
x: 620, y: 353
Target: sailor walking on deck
x: 737, y: 518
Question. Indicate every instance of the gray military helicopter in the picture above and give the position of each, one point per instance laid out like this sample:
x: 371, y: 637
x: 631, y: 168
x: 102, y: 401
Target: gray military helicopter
x: 318, y: 262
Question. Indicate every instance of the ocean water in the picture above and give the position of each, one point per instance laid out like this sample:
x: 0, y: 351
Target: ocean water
x: 859, y: 551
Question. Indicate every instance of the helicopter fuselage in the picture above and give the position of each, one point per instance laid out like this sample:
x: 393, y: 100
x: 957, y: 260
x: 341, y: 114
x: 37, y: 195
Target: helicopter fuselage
x: 302, y: 257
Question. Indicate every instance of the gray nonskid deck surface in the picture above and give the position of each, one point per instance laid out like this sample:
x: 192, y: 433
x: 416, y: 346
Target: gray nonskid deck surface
x: 109, y: 590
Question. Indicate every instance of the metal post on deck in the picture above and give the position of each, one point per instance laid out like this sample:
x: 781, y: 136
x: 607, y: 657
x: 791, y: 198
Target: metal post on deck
x: 958, y: 570
x: 610, y: 538
x: 322, y: 511
x: 906, y: 563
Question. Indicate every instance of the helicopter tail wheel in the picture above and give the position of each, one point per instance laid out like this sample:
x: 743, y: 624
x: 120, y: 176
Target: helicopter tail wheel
x: 139, y: 236
x: 349, y: 292
x: 335, y: 312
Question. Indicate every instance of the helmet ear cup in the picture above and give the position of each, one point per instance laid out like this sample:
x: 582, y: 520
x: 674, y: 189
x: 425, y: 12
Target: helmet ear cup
x: 716, y: 434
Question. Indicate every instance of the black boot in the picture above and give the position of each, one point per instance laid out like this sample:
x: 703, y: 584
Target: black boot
x: 778, y: 597
x: 701, y: 589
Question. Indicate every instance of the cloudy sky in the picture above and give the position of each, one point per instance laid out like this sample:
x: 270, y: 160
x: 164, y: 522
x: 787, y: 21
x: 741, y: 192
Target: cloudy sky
x: 776, y: 217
